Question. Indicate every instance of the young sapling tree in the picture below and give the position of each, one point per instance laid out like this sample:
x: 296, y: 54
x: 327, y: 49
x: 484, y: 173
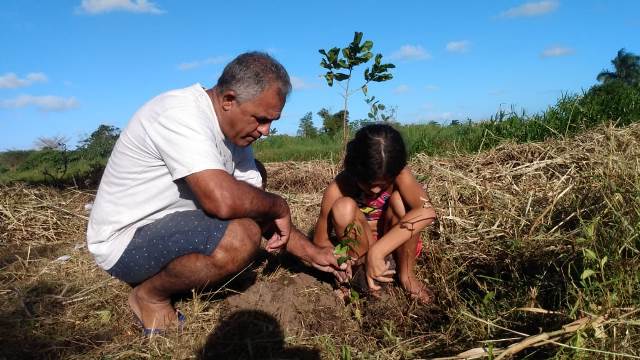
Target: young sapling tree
x: 340, y: 64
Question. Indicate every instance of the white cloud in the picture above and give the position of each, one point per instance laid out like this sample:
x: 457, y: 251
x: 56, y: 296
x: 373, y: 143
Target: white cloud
x: 432, y: 88
x: 411, y: 52
x: 461, y: 46
x: 401, y: 89
x: 298, y: 83
x: 199, y: 63
x: 104, y: 6
x: 556, y: 51
x: 531, y: 9
x: 12, y: 81
x: 42, y: 103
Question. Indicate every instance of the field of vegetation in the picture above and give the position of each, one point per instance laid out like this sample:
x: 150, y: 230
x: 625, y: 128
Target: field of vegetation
x: 535, y: 254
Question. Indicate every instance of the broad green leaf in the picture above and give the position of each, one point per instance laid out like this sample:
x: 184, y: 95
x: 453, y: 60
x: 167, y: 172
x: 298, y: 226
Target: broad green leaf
x: 587, y: 273
x: 590, y: 230
x: 603, y: 261
x: 357, y: 37
x: 367, y: 45
x: 325, y: 64
x: 350, y: 241
x: 354, y: 295
x: 329, y: 78
x: 340, y: 249
x: 590, y: 254
x: 332, y: 56
x: 321, y: 51
x: 341, y: 76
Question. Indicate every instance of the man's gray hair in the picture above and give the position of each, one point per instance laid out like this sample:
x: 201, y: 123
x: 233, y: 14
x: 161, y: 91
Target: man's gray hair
x: 251, y: 73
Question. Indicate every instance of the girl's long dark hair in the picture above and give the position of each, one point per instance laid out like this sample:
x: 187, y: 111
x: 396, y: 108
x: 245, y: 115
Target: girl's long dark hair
x: 376, y: 153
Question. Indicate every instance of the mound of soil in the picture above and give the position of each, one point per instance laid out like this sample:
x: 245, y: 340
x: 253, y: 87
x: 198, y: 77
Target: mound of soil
x: 303, y: 305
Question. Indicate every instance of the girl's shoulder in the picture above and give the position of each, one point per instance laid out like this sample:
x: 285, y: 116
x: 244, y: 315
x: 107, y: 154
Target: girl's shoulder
x: 404, y: 175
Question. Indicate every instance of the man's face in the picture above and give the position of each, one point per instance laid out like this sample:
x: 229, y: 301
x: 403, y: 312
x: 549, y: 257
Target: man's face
x: 245, y: 122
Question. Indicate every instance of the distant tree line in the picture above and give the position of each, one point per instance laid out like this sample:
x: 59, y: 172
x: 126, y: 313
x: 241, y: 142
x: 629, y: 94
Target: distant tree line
x: 53, y: 163
x: 615, y: 99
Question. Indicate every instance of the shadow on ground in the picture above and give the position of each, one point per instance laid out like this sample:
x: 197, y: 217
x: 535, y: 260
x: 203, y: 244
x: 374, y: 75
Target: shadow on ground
x: 251, y: 334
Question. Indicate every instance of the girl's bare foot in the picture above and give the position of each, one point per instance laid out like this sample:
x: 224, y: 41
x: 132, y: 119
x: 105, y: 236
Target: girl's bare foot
x: 153, y: 314
x: 418, y: 290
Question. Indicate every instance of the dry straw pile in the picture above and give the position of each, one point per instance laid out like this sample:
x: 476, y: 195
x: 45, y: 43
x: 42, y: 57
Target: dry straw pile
x: 529, y: 238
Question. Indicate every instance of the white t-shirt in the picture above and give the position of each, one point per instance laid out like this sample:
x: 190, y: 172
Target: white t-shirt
x: 173, y: 135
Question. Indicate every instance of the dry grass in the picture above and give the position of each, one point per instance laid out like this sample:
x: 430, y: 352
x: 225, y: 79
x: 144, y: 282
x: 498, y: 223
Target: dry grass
x: 506, y: 258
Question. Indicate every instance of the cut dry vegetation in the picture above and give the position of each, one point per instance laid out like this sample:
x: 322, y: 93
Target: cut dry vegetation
x: 535, y: 254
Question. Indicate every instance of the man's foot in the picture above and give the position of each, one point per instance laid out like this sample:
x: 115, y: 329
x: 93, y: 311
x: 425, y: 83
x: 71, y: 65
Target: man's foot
x: 155, y: 315
x: 418, y: 290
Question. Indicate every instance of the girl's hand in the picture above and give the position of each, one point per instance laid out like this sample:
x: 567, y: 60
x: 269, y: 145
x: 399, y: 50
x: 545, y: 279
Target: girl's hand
x: 378, y: 269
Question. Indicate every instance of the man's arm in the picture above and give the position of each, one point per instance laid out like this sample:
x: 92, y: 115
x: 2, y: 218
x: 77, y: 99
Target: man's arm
x: 321, y: 258
x: 222, y: 196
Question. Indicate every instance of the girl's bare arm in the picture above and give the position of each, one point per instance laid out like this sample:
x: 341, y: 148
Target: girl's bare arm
x: 415, y: 219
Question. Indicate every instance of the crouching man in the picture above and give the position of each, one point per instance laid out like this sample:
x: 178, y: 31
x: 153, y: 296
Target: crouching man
x: 180, y: 204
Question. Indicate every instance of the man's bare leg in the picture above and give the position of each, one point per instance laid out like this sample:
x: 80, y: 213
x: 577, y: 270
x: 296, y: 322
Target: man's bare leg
x: 150, y: 300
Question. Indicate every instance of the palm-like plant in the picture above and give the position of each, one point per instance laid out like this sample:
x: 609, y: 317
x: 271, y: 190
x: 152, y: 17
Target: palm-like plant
x: 627, y: 69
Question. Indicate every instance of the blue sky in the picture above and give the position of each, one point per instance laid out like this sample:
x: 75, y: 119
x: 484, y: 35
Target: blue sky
x: 68, y: 66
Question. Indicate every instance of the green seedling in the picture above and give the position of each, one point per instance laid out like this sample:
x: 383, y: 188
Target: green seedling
x: 349, y: 240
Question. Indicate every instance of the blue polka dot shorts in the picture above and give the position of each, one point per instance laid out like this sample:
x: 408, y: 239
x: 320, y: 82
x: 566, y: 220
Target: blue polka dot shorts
x: 155, y: 245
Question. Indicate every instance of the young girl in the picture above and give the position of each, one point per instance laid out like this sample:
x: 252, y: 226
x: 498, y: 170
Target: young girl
x: 378, y: 201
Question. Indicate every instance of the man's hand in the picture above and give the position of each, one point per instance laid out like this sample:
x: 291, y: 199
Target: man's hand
x: 280, y: 236
x: 325, y: 260
x: 378, y: 269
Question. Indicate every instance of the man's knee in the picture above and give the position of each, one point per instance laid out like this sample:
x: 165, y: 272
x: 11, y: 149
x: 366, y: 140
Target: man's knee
x: 240, y: 242
x: 244, y: 234
x: 238, y: 246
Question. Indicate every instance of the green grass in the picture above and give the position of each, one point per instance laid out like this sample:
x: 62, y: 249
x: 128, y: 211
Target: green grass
x: 293, y: 148
x: 613, y: 102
